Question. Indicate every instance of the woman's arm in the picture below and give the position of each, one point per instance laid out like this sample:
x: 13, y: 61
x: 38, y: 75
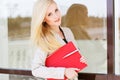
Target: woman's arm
x: 40, y: 70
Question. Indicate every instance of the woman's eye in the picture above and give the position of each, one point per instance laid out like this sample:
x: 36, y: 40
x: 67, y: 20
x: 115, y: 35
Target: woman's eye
x: 56, y: 10
x: 49, y: 14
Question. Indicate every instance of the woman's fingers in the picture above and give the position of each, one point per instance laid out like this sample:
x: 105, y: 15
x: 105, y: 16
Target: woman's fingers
x: 75, y: 69
x: 83, y: 60
x: 70, y: 73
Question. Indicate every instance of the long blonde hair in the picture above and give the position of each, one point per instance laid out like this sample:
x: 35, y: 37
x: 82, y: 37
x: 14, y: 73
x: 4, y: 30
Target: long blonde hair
x: 41, y: 34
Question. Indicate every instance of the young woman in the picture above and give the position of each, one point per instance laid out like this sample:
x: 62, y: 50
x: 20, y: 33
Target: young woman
x: 48, y: 36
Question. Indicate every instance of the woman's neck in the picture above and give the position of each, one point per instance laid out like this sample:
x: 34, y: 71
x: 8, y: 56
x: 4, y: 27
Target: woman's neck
x: 58, y: 31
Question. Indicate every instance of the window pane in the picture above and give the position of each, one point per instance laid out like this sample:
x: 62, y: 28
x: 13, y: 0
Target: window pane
x: 87, y: 20
x: 19, y: 17
x: 3, y: 35
x: 117, y: 37
x: 15, y: 49
x: 88, y: 26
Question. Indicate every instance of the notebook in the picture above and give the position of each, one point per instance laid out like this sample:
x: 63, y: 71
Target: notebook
x: 67, y: 56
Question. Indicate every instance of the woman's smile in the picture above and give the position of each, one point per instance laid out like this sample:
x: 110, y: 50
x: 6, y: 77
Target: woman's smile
x: 57, y: 20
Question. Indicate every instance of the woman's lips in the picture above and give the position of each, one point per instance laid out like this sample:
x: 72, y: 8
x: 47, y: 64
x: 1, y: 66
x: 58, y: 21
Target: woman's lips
x: 57, y: 20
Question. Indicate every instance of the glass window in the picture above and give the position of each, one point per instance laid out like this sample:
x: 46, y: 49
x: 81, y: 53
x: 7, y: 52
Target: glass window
x: 87, y: 20
x: 15, y: 19
x: 19, y: 49
x: 117, y: 37
x: 3, y: 35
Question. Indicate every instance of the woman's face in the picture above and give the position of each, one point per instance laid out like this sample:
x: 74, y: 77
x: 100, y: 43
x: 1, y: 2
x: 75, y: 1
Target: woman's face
x: 53, y: 15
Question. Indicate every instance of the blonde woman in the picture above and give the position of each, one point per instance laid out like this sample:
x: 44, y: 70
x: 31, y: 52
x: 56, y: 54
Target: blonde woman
x: 48, y: 35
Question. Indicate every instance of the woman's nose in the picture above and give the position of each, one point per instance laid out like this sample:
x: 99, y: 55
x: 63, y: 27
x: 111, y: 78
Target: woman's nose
x: 55, y: 16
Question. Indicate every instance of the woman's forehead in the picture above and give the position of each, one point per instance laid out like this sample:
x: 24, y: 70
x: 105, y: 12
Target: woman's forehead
x: 52, y: 6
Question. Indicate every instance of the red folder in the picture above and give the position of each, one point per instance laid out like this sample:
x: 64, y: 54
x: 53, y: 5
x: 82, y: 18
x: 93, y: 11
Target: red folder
x: 67, y: 56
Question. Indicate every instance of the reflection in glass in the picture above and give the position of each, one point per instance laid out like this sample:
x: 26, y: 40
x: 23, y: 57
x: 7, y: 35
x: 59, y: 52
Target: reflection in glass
x: 88, y: 24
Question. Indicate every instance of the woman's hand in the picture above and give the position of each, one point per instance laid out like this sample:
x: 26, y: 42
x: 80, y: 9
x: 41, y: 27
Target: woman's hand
x: 70, y: 73
x: 83, y: 60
